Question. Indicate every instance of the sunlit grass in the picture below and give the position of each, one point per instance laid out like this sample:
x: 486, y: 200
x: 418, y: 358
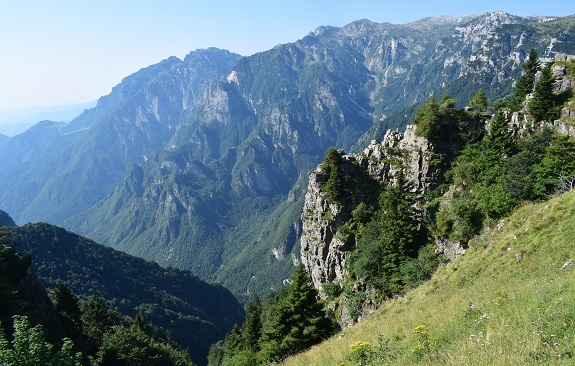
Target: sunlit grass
x: 510, y: 299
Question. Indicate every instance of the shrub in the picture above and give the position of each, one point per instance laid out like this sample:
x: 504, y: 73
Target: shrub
x: 331, y: 290
x: 416, y: 270
x: 360, y: 353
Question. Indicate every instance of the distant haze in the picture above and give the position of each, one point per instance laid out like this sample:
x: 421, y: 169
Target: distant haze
x: 16, y: 122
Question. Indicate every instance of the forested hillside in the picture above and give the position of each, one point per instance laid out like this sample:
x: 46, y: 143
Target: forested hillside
x: 62, y: 330
x: 193, y: 313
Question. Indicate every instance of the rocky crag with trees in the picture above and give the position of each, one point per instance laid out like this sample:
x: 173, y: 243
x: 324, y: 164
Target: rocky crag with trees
x: 391, y: 213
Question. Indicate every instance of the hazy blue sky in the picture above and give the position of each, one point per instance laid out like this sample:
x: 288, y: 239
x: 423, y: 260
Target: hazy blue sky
x: 72, y: 51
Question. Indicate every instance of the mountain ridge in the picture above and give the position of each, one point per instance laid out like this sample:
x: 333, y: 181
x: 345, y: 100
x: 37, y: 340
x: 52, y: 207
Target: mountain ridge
x: 253, y: 130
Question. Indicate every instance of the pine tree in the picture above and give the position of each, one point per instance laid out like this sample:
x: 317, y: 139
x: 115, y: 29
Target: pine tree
x: 542, y: 106
x: 500, y: 139
x: 298, y: 321
x: 252, y: 327
x: 526, y: 81
x: 428, y: 120
x: 68, y: 307
x: 334, y: 185
x: 95, y: 322
x: 479, y: 101
x: 390, y: 239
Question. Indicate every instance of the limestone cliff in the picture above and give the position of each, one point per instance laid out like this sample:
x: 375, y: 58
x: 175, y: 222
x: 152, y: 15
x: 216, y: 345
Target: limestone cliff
x: 327, y: 241
x: 325, y: 246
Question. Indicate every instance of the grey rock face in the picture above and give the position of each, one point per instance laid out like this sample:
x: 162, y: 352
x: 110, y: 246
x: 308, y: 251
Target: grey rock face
x: 324, y: 248
x: 562, y: 81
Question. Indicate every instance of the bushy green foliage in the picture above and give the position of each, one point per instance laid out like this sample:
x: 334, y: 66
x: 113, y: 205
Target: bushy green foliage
x: 331, y: 166
x: 195, y: 313
x: 123, y: 345
x: 114, y: 341
x: 556, y: 168
x: 30, y: 348
x: 354, y: 301
x: 496, y: 175
x: 96, y: 323
x: 435, y: 121
x: 428, y: 120
x: 298, y: 321
x: 479, y: 101
x: 70, y: 312
x: 389, y: 239
x: 331, y: 290
x: 415, y: 271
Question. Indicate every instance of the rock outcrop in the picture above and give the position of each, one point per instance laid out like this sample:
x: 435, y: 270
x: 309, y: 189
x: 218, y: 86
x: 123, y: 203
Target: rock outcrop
x: 564, y: 85
x: 324, y: 247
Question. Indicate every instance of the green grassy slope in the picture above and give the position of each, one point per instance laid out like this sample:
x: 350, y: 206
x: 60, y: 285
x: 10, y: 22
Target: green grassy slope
x: 509, y: 300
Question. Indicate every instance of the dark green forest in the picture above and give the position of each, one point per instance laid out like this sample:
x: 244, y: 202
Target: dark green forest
x: 68, y: 331
x: 192, y: 313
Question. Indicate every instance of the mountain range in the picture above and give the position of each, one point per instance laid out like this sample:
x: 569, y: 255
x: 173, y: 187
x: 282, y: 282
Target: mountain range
x: 202, y: 163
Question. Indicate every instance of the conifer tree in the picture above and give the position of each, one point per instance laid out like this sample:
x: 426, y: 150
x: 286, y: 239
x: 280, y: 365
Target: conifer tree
x: 298, y: 321
x: 390, y: 239
x: 500, y: 139
x: 479, y: 101
x: 68, y: 307
x: 334, y: 185
x: 526, y: 81
x: 428, y: 120
x: 95, y: 322
x: 542, y: 106
x: 252, y: 327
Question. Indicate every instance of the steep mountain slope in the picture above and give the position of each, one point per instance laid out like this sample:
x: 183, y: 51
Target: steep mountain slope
x: 55, y: 170
x: 196, y: 314
x: 217, y: 153
x: 507, y: 300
